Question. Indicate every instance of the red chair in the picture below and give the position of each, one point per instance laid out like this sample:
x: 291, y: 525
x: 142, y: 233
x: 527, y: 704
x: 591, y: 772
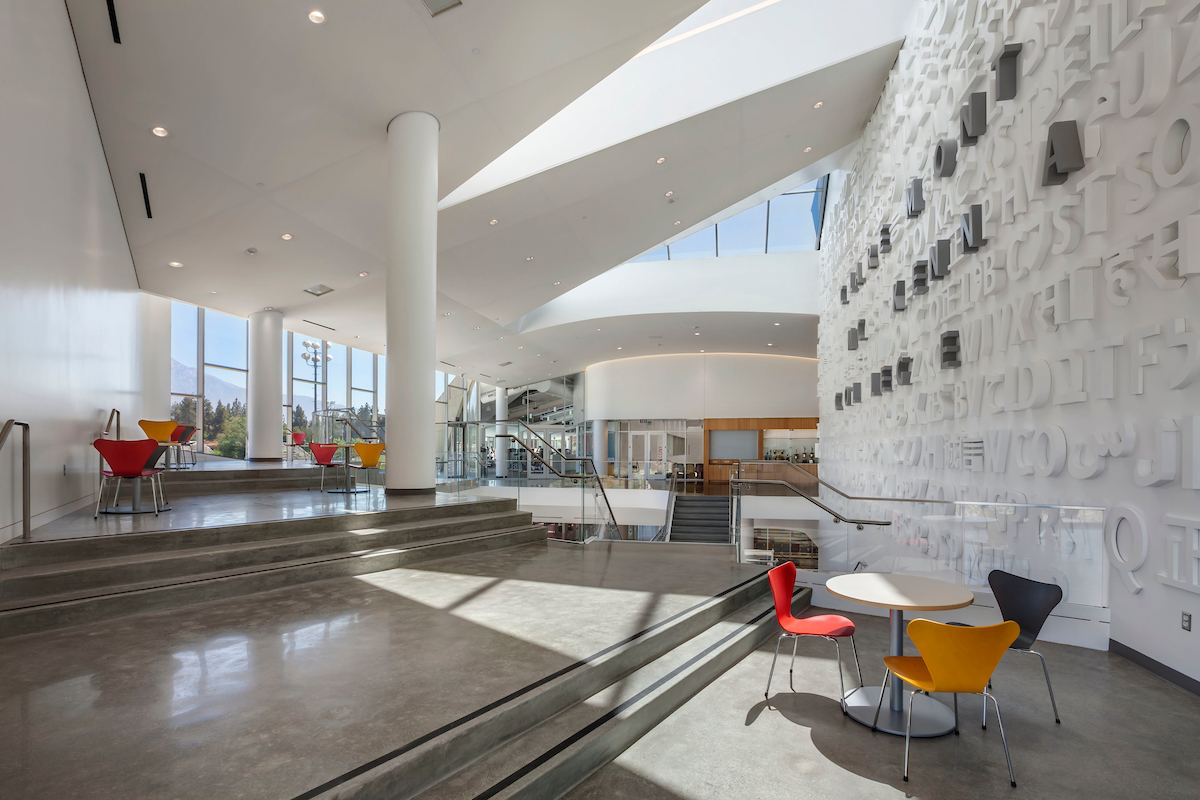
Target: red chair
x: 295, y: 440
x: 183, y: 437
x: 127, y: 459
x: 323, y: 457
x: 828, y: 626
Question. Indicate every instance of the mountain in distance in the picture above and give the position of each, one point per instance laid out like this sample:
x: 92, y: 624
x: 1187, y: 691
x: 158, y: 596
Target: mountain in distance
x: 183, y: 381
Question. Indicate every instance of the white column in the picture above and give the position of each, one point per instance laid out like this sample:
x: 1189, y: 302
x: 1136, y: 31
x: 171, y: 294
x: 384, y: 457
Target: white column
x: 600, y: 445
x: 264, y: 388
x: 501, y: 429
x: 411, y: 301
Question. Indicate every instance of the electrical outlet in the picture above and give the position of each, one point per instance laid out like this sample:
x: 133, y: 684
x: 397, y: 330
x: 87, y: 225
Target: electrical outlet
x: 1187, y: 621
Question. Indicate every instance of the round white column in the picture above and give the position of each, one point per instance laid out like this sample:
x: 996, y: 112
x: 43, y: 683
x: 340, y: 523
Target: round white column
x: 600, y: 445
x: 264, y: 387
x: 411, y: 302
x: 501, y: 429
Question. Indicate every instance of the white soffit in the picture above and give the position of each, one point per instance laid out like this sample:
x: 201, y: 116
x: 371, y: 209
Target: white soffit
x: 724, y: 51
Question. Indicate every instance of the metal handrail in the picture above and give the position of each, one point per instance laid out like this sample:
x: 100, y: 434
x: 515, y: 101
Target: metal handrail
x: 585, y: 477
x: 833, y: 488
x: 349, y: 412
x: 108, y: 427
x: 665, y: 534
x: 25, y: 469
x: 838, y: 517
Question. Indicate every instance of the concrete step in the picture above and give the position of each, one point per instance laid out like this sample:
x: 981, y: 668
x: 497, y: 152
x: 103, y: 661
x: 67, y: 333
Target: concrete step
x: 15, y: 555
x: 547, y: 761
x: 702, y: 519
x: 48, y: 579
x: 425, y: 764
x: 29, y: 615
x: 695, y: 538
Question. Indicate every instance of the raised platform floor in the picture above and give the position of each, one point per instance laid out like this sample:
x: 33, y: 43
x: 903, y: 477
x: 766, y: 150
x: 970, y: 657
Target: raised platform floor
x: 277, y: 693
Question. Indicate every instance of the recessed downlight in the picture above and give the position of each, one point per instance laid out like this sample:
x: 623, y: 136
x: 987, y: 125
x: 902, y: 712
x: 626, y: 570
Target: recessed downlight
x: 529, y: 258
x: 476, y: 327
x: 493, y: 222
x: 818, y: 104
x: 268, y: 308
x: 776, y: 324
x: 159, y: 130
x: 287, y: 237
x: 669, y: 194
x: 697, y: 333
x: 212, y: 292
x: 556, y: 283
x: 316, y: 17
x: 770, y: 345
x: 174, y: 264
x: 620, y: 348
x: 446, y: 313
x: 363, y: 274
x: 520, y: 347
x: 678, y: 222
x: 660, y: 160
x: 808, y: 149
x: 250, y: 251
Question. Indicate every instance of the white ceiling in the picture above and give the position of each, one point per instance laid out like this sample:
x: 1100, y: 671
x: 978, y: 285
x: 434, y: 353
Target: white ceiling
x: 278, y: 126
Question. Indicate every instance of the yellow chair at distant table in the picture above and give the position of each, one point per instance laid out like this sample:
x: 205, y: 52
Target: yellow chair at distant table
x: 369, y: 454
x: 953, y: 659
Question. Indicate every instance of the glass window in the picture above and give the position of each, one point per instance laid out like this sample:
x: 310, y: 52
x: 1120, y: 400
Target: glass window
x: 790, y: 226
x: 364, y: 404
x: 362, y: 374
x: 183, y: 410
x: 224, y: 340
x: 303, y: 403
x: 336, y: 391
x: 184, y: 347
x: 701, y: 244
x: 655, y: 255
x: 743, y: 234
x: 301, y: 367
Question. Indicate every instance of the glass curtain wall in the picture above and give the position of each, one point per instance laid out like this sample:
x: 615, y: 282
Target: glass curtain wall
x: 208, y: 377
x: 789, y: 223
x: 333, y: 376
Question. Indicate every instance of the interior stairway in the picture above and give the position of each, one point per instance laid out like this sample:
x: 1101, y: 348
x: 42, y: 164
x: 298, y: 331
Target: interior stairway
x: 700, y: 518
x: 540, y: 741
x: 52, y: 584
x: 192, y: 482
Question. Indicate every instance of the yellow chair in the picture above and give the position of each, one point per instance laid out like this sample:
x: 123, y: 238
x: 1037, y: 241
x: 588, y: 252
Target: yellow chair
x: 953, y: 659
x: 161, y: 432
x: 369, y: 454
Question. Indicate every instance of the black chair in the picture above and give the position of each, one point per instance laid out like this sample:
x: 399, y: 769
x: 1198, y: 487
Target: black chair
x: 1027, y: 603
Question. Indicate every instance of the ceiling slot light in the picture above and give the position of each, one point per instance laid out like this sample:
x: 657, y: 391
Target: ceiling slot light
x: 174, y: 264
x: 669, y: 194
x: 818, y: 104
x: 660, y: 161
x: 317, y: 17
x: 287, y: 237
x: 159, y: 131
x: 808, y: 149
x: 493, y: 222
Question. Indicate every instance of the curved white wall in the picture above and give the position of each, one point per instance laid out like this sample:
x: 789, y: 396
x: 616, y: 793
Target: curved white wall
x: 700, y: 386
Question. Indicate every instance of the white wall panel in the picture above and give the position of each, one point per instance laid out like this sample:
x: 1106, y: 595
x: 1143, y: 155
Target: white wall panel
x: 1077, y: 318
x: 71, y: 315
x: 699, y: 386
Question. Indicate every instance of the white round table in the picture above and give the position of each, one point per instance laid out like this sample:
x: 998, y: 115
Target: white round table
x: 899, y: 593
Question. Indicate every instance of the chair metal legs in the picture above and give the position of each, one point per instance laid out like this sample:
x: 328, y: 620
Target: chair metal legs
x: 887, y: 673
x: 1011, y: 778
x: 1053, y: 704
x: 956, y: 714
x: 100, y: 495
x: 907, y: 732
x: 792, y: 666
x: 767, y: 693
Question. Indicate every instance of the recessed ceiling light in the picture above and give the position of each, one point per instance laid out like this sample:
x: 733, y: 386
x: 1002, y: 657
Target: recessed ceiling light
x: 476, y: 327
x: 493, y: 222
x: 174, y: 264
x: 678, y: 222
x: 159, y: 131
x: 697, y: 333
x: 475, y: 51
x: 701, y: 351
x: 529, y: 258
x: 808, y: 149
x: 539, y: 355
x: 818, y: 104
x: 250, y: 251
x: 357, y: 337
x: 287, y: 237
x: 363, y: 274
x: 447, y: 313
x: 316, y: 16
x: 661, y: 160
x: 770, y: 345
x: 669, y: 194
x: 556, y: 283
x: 499, y: 337
x: 212, y: 292
x: 520, y: 347
x: 268, y: 308
x: 776, y: 324
x: 619, y: 348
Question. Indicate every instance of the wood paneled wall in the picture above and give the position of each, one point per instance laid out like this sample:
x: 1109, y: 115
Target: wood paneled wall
x: 718, y: 471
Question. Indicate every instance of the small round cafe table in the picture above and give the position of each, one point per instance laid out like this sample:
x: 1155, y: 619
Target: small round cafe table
x: 899, y: 593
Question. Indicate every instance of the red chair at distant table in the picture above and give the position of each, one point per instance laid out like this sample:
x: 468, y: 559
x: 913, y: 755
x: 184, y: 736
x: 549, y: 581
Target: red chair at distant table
x: 127, y: 460
x: 827, y: 626
x: 323, y: 457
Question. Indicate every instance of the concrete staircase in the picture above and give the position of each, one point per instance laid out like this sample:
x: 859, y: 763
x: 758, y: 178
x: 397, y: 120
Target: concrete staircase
x: 700, y: 519
x: 192, y: 482
x: 46, y: 585
x: 542, y: 740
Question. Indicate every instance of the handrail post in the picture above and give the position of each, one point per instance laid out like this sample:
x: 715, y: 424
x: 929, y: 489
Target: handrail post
x: 26, y: 481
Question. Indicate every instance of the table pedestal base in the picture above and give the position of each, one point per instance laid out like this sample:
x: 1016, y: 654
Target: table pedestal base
x: 930, y: 717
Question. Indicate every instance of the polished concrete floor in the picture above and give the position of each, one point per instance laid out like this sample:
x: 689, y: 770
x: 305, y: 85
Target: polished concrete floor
x: 1125, y: 733
x: 269, y: 695
x: 215, y: 510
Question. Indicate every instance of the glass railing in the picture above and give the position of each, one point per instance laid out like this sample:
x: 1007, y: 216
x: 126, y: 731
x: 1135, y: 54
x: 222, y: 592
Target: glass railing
x: 958, y: 541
